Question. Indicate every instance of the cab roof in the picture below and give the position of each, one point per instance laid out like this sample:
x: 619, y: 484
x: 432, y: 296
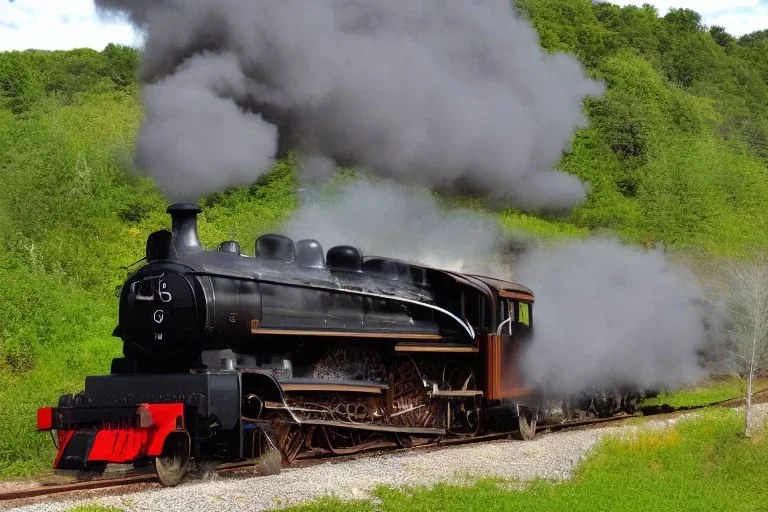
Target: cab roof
x: 507, y: 289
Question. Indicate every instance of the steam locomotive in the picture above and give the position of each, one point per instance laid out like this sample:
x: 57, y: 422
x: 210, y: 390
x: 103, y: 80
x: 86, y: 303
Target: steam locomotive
x: 294, y: 352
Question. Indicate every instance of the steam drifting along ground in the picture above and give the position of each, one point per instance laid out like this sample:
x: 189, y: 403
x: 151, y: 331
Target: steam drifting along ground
x: 450, y: 95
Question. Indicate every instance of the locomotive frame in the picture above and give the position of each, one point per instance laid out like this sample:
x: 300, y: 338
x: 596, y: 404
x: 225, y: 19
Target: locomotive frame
x: 228, y: 357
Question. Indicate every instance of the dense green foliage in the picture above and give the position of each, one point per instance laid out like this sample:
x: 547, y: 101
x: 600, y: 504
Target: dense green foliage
x: 675, y: 153
x: 677, y: 148
x: 698, y: 464
x: 72, y: 216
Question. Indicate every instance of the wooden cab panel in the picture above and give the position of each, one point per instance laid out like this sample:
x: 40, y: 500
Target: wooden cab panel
x: 501, y: 354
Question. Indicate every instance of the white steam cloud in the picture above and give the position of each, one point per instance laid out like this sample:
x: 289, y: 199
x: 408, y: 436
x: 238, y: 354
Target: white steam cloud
x: 608, y: 315
x: 388, y: 219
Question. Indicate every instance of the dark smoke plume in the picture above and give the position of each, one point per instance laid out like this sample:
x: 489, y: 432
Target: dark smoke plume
x: 453, y: 95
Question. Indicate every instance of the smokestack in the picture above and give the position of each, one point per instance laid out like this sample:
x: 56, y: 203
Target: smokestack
x: 184, y: 226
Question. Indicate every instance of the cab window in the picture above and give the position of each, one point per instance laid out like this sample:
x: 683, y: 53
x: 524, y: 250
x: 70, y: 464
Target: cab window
x: 520, y: 312
x: 524, y: 313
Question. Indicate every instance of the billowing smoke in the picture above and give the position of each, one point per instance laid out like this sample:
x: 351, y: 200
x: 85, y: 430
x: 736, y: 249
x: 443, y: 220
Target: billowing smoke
x: 609, y: 314
x: 456, y: 96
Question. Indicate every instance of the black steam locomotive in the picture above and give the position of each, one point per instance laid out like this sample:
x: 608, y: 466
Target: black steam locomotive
x: 297, y: 352
x: 188, y: 304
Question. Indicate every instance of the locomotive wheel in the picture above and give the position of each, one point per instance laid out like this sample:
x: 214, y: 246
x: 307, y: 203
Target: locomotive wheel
x: 172, y: 465
x: 469, y: 415
x: 526, y: 421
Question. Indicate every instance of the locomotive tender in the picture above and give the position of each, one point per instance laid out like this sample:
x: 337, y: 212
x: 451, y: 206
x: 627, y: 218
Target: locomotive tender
x: 228, y: 357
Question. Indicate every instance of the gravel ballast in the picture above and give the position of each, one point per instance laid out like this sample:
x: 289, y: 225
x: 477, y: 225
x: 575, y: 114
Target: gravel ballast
x: 552, y: 456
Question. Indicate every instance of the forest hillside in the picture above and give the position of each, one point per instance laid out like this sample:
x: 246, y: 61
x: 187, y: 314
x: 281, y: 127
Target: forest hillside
x: 676, y: 154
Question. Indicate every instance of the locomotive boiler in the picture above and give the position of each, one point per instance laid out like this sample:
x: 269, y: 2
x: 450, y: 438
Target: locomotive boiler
x: 295, y: 351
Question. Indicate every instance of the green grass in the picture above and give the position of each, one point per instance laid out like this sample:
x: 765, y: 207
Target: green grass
x: 705, y: 392
x: 24, y: 451
x: 699, y: 464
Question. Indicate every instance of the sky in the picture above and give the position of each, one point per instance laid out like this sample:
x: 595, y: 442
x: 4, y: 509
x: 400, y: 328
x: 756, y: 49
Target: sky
x: 58, y: 25
x: 739, y: 17
x: 66, y: 24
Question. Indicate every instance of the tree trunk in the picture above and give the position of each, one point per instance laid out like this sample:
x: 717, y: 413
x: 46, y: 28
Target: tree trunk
x: 748, y: 408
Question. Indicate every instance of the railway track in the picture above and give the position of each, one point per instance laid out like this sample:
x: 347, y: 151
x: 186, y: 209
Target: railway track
x: 134, y: 481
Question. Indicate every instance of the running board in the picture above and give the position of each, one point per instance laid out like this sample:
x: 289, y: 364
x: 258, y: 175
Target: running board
x: 376, y: 428
x: 436, y: 347
x: 349, y: 386
x: 456, y: 393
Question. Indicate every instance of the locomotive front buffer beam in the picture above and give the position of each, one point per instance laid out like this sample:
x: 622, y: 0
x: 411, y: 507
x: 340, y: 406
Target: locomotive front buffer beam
x: 89, y: 438
x: 120, y: 419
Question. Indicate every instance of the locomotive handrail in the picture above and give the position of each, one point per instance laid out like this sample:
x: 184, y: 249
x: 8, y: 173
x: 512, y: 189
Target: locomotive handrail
x: 501, y: 326
x: 467, y: 327
x: 126, y: 267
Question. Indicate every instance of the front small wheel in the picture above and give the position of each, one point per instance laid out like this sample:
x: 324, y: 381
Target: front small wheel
x: 172, y: 465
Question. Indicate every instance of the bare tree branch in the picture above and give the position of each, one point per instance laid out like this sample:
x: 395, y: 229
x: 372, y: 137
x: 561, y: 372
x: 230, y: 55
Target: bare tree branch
x: 745, y: 297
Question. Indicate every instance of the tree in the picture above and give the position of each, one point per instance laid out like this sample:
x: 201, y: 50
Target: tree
x: 636, y: 27
x: 122, y: 63
x: 685, y: 20
x: 756, y: 37
x: 721, y: 36
x: 746, y: 332
x: 22, y: 81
